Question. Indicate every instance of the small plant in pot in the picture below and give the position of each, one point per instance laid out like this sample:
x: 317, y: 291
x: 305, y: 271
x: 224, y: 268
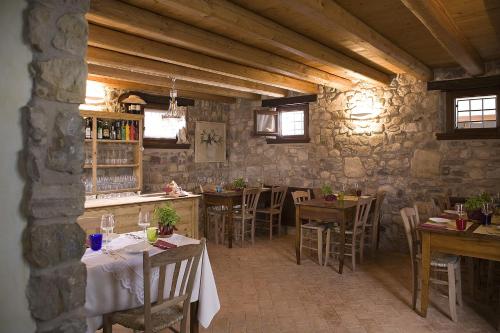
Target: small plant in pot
x: 474, y: 204
x: 327, y: 192
x: 239, y: 184
x: 167, y: 219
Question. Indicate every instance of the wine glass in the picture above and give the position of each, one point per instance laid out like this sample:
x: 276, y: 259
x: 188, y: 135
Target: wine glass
x: 107, y: 225
x: 487, y: 211
x: 357, y: 189
x: 144, y: 223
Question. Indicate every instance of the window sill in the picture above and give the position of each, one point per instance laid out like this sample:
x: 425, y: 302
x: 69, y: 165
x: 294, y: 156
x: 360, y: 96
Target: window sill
x: 470, y: 135
x: 285, y: 141
x: 164, y: 144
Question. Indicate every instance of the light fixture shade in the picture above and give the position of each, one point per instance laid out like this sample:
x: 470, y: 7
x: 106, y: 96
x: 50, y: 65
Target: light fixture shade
x: 173, y: 109
x: 134, y: 99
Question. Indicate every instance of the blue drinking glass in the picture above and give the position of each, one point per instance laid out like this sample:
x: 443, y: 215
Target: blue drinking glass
x: 95, y: 241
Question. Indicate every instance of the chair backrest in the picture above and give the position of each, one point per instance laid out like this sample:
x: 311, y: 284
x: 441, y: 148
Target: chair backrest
x: 278, y: 194
x: 377, y: 213
x: 207, y: 188
x: 439, y: 204
x: 362, y: 212
x: 410, y: 222
x: 299, y: 196
x: 182, y: 281
x: 250, y: 200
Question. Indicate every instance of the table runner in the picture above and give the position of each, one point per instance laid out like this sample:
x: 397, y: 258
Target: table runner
x: 115, y: 281
x: 445, y: 226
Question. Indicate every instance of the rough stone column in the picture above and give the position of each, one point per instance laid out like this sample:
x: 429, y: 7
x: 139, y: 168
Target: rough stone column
x: 53, y: 158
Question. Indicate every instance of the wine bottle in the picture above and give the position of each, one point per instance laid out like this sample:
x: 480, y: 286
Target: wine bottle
x: 112, y: 132
x: 88, y: 128
x: 136, y: 130
x: 132, y: 130
x: 118, y: 129
x: 105, y: 130
x: 127, y: 131
x: 99, y: 129
x: 124, y: 131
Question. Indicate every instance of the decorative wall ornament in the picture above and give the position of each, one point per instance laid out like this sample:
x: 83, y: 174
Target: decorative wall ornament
x: 210, y: 142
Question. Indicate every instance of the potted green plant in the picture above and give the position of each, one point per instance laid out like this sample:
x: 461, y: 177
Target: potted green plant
x: 167, y: 218
x: 239, y: 184
x: 474, y: 204
x: 327, y: 192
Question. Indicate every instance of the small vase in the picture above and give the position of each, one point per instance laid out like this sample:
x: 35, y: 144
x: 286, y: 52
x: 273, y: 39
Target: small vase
x: 165, y: 231
x: 475, y: 215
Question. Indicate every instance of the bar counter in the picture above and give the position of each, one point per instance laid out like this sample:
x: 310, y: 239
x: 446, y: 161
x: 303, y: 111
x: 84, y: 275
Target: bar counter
x: 126, y: 212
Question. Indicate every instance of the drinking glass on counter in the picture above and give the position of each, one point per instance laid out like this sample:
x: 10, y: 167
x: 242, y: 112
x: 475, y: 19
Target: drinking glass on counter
x: 487, y: 211
x: 461, y: 221
x: 107, y: 225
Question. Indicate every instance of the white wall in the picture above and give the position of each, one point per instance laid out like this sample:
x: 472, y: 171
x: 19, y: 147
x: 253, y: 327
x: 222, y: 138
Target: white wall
x: 15, y: 90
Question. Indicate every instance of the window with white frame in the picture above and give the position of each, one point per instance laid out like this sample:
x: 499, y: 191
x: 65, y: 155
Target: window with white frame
x: 476, y: 112
x: 156, y: 126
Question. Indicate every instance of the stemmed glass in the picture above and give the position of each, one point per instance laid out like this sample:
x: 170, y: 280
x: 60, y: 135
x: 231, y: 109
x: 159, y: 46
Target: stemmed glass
x: 107, y: 225
x: 144, y: 223
x: 357, y: 189
x: 487, y: 211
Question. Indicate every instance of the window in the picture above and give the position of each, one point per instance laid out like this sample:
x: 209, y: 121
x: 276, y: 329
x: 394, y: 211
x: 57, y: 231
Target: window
x: 472, y: 114
x: 292, y: 121
x: 160, y: 132
x: 157, y: 127
x: 476, y: 112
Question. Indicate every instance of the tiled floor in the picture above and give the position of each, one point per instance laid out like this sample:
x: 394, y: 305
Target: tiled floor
x: 262, y: 290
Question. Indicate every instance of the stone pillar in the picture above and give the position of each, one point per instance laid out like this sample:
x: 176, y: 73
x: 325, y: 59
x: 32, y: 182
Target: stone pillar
x: 53, y: 155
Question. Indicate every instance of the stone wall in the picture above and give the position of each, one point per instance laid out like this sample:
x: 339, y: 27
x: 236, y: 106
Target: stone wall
x: 163, y: 165
x: 394, y: 150
x: 53, y: 155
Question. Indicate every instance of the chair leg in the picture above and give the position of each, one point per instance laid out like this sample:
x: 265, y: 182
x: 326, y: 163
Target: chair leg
x: 107, y: 324
x: 327, y: 247
x: 279, y: 224
x: 361, y: 247
x: 242, y: 232
x: 216, y: 230
x: 271, y: 226
x: 353, y: 252
x: 253, y: 231
x: 452, y: 293
x: 301, y: 241
x: 414, y: 285
x: 320, y: 246
x: 458, y: 276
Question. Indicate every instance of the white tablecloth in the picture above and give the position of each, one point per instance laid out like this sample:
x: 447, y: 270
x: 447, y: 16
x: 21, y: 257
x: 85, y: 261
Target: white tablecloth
x: 115, y: 281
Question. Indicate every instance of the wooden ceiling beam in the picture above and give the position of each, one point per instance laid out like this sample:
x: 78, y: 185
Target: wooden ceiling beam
x: 133, y: 45
x: 238, y: 23
x: 114, y: 59
x: 129, y: 76
x: 157, y: 90
x: 140, y: 22
x: 332, y: 17
x: 435, y: 17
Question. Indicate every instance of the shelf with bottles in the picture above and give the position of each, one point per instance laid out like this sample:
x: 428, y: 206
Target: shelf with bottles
x: 108, y: 156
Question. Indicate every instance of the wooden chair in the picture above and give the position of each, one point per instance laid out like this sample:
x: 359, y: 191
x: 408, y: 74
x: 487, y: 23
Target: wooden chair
x: 354, y: 238
x: 245, y: 214
x: 440, y: 263
x: 309, y: 229
x: 372, y: 225
x: 439, y: 204
x: 162, y: 312
x: 216, y: 214
x: 273, y: 212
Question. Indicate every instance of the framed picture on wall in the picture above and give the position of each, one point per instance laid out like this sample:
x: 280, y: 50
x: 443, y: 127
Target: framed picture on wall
x: 210, y: 142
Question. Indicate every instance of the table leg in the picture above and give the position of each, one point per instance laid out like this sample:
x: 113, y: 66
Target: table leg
x: 298, y: 230
x: 342, y: 242
x: 230, y: 223
x: 194, y: 326
x: 425, y: 271
x: 205, y: 221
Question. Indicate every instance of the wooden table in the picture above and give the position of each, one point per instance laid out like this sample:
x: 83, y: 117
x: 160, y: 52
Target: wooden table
x: 320, y: 209
x: 228, y: 199
x: 461, y: 243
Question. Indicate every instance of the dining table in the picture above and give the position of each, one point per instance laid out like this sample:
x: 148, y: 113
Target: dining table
x: 228, y: 199
x: 477, y: 241
x: 319, y: 209
x: 115, y: 280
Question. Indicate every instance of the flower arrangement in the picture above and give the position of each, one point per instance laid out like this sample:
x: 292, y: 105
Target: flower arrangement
x: 327, y: 192
x: 239, y: 183
x: 474, y: 204
x: 167, y: 219
x: 210, y: 137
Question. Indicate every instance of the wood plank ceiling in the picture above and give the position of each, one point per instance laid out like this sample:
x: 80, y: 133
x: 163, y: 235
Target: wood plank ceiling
x: 223, y: 50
